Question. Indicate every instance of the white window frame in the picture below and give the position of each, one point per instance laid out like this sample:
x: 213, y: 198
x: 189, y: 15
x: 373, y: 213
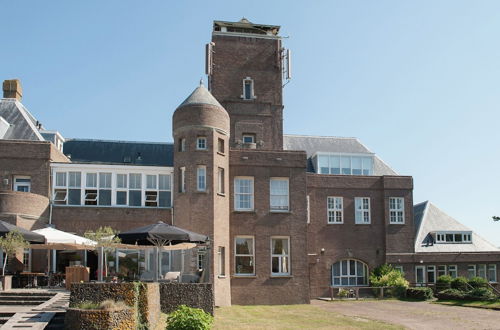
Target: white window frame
x: 281, y: 257
x: 22, y: 184
x: 237, y: 193
x: 27, y: 266
x: 362, y: 215
x: 424, y: 277
x: 365, y: 169
x: 469, y: 267
x: 452, y: 270
x: 201, y: 143
x: 334, y: 209
x: 399, y: 269
x: 482, y: 268
x: 441, y: 270
x: 493, y: 269
x: 252, y: 255
x: 397, y: 210
x: 252, y: 89
x: 441, y: 237
x: 201, y: 178
x: 251, y: 136
x: 431, y: 269
x: 279, y: 208
x: 348, y: 274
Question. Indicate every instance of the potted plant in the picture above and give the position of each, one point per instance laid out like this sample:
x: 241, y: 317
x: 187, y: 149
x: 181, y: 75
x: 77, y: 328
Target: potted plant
x: 10, y: 244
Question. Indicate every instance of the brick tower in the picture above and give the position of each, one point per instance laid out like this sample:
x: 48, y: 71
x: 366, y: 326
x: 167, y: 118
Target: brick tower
x: 245, y: 73
x: 201, y: 192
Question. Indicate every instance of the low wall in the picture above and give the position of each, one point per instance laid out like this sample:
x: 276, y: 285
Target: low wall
x: 100, y: 319
x: 143, y: 296
x: 197, y: 295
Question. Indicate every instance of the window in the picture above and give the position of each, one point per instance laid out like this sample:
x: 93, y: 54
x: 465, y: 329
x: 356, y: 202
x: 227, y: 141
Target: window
x: 201, y: 260
x: 248, y: 138
x: 22, y: 183
x: 105, y: 188
x: 441, y: 270
x: 419, y: 275
x: 481, y: 271
x: 151, y: 194
x: 201, y: 143
x: 91, y: 181
x: 182, y: 179
x: 492, y: 273
x: 221, y: 181
x: 280, y: 256
x: 244, y: 255
x: 121, y: 189
x: 201, y: 178
x: 471, y: 271
x: 362, y: 205
x: 60, y: 179
x: 399, y: 269
x: 74, y: 191
x: 222, y: 260
x: 243, y: 194
x: 60, y: 196
x: 452, y: 271
x: 182, y: 145
x: 335, y: 210
x: 279, y: 194
x: 27, y: 260
x: 248, y: 89
x: 344, y: 164
x: 135, y: 189
x: 396, y: 210
x: 454, y: 237
x: 220, y: 146
x: 164, y: 191
x: 349, y: 272
x: 431, y: 274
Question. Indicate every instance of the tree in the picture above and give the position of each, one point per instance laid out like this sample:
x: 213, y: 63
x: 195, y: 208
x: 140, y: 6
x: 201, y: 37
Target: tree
x: 106, y: 238
x: 496, y: 218
x: 10, y: 244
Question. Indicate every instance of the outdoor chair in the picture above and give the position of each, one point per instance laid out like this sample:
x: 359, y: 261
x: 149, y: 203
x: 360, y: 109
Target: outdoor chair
x: 172, y: 276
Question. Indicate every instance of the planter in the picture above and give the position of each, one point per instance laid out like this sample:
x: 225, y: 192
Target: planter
x: 99, y: 319
x: 6, y: 282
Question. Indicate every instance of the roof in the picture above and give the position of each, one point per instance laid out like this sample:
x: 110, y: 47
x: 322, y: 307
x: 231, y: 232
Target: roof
x: 244, y: 25
x: 429, y: 218
x: 22, y: 123
x: 349, y: 145
x: 119, y: 152
x: 200, y: 95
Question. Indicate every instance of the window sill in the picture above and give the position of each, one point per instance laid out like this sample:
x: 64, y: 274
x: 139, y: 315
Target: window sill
x: 221, y: 194
x: 201, y: 149
x: 335, y: 223
x: 396, y: 223
x: 114, y: 206
x: 221, y: 153
x: 244, y: 276
x: 362, y: 224
x: 222, y: 276
x: 280, y: 212
x: 281, y: 276
x: 244, y: 211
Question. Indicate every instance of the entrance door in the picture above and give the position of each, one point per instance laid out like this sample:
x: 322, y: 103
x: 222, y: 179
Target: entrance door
x: 420, y: 275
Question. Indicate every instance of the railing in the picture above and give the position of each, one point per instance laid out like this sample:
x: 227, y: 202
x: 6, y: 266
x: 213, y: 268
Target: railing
x: 354, y: 292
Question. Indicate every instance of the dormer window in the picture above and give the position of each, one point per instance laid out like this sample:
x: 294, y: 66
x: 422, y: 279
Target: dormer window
x: 341, y: 164
x: 248, y: 89
x: 453, y: 237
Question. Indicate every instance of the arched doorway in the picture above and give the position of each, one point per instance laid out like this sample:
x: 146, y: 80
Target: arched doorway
x: 349, y: 272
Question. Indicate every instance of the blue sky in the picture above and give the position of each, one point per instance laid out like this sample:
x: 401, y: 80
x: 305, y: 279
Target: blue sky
x: 416, y: 81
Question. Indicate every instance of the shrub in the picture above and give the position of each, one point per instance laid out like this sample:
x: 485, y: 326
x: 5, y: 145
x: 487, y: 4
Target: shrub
x: 478, y: 282
x: 187, y: 318
x: 443, y: 282
x: 343, y: 293
x: 480, y: 294
x: 451, y: 294
x: 423, y: 293
x: 105, y: 305
x: 460, y: 283
x: 387, y: 276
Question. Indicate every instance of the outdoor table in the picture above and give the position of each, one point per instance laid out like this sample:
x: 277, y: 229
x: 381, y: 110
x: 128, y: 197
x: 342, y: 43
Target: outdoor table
x: 32, y: 278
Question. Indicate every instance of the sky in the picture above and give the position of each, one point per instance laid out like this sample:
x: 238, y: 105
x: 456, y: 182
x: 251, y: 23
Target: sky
x: 416, y: 81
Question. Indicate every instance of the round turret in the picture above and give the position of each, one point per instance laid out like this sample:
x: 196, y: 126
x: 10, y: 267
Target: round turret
x: 200, y: 109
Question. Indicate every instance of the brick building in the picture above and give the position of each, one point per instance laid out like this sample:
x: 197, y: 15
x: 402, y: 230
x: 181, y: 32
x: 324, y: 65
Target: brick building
x: 288, y: 216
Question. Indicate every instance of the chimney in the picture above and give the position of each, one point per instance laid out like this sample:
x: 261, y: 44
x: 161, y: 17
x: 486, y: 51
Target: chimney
x: 12, y: 89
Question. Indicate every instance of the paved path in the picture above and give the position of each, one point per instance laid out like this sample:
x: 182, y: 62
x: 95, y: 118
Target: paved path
x: 416, y: 315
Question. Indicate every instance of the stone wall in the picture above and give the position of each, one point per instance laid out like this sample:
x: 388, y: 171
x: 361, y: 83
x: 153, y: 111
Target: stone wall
x: 100, y: 319
x: 197, y: 295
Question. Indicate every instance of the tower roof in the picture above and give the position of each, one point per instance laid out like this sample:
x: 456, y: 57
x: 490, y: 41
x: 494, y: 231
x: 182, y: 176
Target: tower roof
x: 200, y: 95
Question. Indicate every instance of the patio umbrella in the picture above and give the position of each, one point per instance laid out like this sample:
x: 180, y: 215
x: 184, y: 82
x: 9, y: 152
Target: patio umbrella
x: 30, y: 236
x: 160, y: 234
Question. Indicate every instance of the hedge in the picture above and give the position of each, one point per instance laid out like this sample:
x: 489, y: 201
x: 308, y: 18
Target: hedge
x: 423, y: 293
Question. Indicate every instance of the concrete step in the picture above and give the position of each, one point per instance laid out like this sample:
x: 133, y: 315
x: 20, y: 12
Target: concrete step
x: 22, y: 302
x: 25, y: 297
x: 29, y: 293
x: 4, y: 317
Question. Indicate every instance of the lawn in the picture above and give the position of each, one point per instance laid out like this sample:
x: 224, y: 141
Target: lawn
x: 290, y: 317
x: 471, y: 303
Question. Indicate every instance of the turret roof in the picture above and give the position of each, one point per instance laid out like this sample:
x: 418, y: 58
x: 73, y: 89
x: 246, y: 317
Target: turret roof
x: 200, y: 95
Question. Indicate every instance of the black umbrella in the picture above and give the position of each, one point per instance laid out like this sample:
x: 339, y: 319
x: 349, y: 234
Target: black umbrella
x: 160, y: 234
x: 30, y: 236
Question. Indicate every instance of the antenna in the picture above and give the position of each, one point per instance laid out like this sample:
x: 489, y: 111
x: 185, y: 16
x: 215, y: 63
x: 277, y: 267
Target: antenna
x: 288, y: 64
x: 208, y: 58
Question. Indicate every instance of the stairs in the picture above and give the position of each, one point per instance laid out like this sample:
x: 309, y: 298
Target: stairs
x: 4, y: 317
x: 57, y: 322
x: 24, y: 298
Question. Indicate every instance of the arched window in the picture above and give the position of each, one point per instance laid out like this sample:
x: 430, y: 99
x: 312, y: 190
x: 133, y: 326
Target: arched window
x: 349, y: 272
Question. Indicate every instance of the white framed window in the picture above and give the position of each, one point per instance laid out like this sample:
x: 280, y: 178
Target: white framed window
x: 341, y: 164
x: 471, y: 271
x: 280, y: 256
x: 335, y: 209
x: 27, y: 260
x: 60, y: 179
x: 164, y: 190
x: 221, y: 189
x: 244, y: 255
x: 453, y: 237
x: 134, y: 189
x: 349, y: 272
x: 90, y: 197
x: 91, y: 181
x: 431, y: 274
x: 419, y: 275
x: 248, y: 89
x: 201, y: 178
x: 105, y: 186
x: 399, y: 269
x: 22, y: 183
x: 481, y: 271
x: 151, y: 193
x: 396, y: 210
x: 362, y: 206
x: 248, y: 138
x: 279, y: 195
x: 182, y: 179
x: 243, y: 193
x: 201, y: 143
x: 452, y: 271
x: 74, y: 188
x: 492, y: 273
x: 121, y: 189
x: 441, y: 270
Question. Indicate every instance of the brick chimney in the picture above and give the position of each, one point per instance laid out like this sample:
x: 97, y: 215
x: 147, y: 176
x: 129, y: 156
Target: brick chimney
x: 12, y: 89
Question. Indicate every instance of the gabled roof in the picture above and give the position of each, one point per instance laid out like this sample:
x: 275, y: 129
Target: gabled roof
x: 119, y: 152
x: 22, y: 123
x: 429, y: 219
x: 349, y: 145
x: 200, y: 95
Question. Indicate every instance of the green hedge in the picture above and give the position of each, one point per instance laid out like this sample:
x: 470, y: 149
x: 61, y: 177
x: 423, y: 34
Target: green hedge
x: 423, y: 293
x: 187, y: 318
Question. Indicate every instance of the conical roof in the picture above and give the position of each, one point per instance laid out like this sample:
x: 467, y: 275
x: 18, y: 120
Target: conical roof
x: 200, y: 95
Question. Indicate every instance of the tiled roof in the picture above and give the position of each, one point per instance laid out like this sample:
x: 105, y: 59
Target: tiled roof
x: 349, y: 145
x: 430, y: 219
x: 200, y: 95
x: 22, y: 123
x: 119, y: 152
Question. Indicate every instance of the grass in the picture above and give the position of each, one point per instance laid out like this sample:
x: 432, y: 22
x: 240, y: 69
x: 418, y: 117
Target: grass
x: 471, y: 303
x: 290, y: 317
